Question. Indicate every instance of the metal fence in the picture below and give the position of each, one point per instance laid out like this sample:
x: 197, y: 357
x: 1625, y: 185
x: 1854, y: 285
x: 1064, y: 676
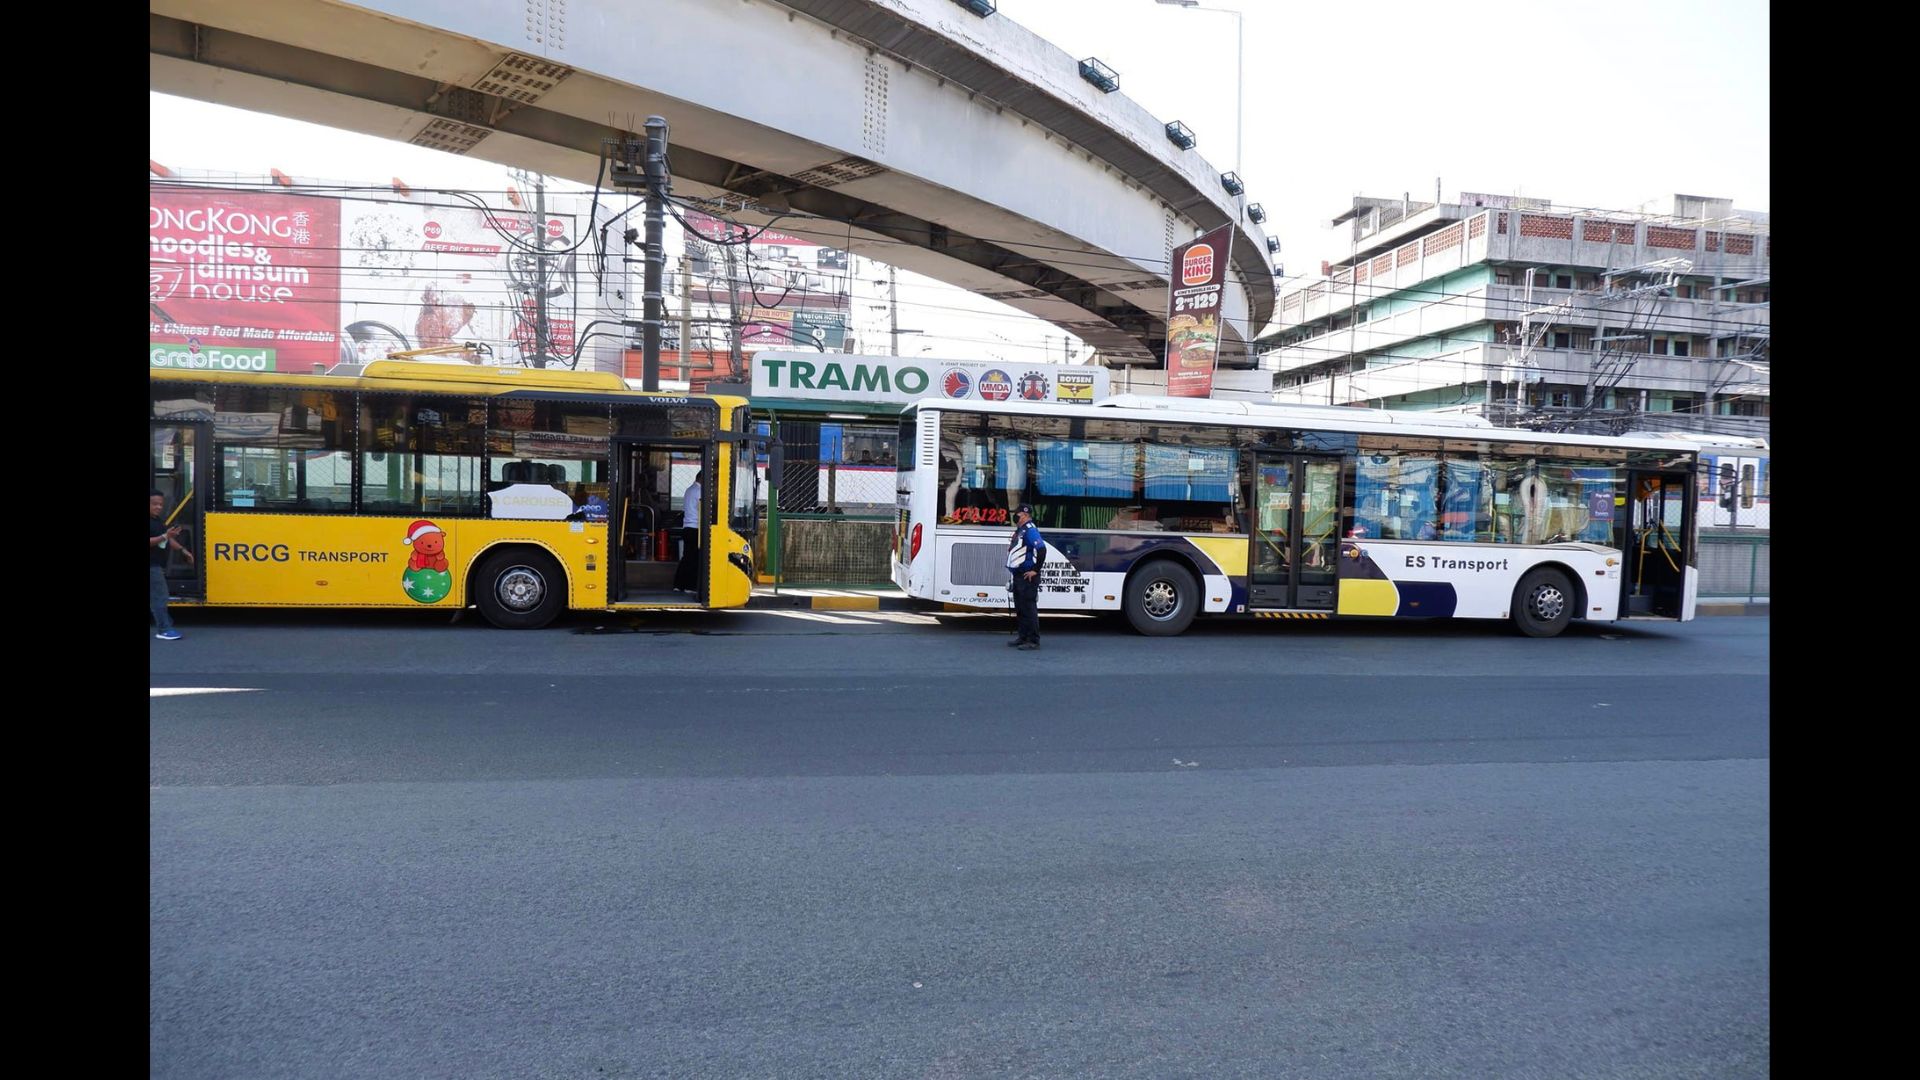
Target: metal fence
x: 1735, y: 565
x: 837, y: 468
x: 830, y: 549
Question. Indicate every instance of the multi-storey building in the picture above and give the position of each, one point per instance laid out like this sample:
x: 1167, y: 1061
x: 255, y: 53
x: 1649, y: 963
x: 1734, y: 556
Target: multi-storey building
x: 1539, y: 315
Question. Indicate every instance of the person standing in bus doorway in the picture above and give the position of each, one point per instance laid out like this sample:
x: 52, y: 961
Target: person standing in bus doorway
x: 160, y: 537
x: 1024, y: 556
x: 684, y: 579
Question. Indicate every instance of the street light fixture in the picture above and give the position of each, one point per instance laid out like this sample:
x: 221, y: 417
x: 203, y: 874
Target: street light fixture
x: 1239, y: 70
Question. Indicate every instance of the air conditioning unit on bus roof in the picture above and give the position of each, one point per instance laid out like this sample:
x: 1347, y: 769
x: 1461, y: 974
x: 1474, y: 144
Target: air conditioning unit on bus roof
x: 1344, y: 413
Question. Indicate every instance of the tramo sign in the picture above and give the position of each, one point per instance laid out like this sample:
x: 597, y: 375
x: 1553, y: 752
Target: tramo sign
x: 892, y: 380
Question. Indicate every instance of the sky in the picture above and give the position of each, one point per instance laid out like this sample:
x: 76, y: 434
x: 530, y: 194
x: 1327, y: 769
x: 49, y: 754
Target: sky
x: 1587, y: 104
x: 1602, y: 105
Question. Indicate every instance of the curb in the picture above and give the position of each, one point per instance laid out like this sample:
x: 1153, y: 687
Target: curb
x: 791, y: 601
x: 1736, y: 607
x: 883, y: 602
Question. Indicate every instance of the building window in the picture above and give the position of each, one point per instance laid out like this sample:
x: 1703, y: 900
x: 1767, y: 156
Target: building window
x: 1563, y: 281
x: 1681, y: 347
x: 1563, y: 339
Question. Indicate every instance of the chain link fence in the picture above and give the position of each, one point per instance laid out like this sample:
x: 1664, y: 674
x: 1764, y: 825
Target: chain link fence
x: 836, y: 503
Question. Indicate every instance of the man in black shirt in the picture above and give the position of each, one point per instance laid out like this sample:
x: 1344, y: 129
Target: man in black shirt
x: 159, y: 537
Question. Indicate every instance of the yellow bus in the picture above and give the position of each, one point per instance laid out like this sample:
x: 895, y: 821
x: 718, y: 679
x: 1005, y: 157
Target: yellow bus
x: 437, y: 484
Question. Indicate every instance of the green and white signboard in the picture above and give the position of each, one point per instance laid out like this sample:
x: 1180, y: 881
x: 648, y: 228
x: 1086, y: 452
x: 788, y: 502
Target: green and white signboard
x: 894, y: 380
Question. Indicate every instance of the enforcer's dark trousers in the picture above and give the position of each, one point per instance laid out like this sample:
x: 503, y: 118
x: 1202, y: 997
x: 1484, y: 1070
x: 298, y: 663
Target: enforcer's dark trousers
x: 1026, y: 607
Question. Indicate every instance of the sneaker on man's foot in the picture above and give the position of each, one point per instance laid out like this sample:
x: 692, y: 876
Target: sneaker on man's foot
x: 1028, y: 645
x: 168, y: 635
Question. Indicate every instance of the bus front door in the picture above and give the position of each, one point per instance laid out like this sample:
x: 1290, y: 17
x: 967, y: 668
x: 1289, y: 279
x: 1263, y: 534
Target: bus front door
x: 1296, y: 503
x: 645, y: 530
x: 178, y: 472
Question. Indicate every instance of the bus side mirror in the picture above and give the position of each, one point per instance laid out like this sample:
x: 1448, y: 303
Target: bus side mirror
x: 776, y: 460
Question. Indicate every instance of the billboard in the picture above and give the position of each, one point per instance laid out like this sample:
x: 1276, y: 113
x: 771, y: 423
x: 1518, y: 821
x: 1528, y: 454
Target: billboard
x: 893, y: 380
x: 240, y: 280
x: 1194, y: 293
x: 284, y: 281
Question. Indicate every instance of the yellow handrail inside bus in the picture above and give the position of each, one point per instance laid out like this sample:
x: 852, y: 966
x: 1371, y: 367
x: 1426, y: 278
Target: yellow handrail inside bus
x: 184, y: 500
x: 1647, y: 535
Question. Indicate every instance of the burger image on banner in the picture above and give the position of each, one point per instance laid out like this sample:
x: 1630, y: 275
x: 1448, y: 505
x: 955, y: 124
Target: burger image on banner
x: 1190, y: 341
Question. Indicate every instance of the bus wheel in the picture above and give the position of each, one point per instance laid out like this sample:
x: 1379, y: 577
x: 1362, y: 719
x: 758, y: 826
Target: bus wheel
x: 519, y: 589
x: 1161, y: 598
x: 1543, y: 603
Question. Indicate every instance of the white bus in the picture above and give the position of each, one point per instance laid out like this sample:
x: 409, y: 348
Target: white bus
x: 1168, y: 508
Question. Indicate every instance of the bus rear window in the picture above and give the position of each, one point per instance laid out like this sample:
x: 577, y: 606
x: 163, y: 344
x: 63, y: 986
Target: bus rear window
x: 904, y: 450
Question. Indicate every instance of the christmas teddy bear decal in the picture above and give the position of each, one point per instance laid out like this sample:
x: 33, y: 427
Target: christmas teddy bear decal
x: 427, y: 578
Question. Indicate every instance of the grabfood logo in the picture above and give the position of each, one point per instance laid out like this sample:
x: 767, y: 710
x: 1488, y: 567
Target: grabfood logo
x: 1196, y: 268
x: 995, y: 385
x: 194, y: 357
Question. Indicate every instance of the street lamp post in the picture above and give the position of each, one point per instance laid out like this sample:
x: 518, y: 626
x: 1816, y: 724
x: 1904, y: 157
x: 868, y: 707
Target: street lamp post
x: 1239, y: 76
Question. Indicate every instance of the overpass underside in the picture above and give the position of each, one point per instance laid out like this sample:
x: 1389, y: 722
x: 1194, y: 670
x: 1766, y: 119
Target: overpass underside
x: 868, y: 152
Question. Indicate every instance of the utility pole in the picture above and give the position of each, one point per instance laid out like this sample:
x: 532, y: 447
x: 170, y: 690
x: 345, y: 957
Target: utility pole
x: 686, y: 313
x: 733, y: 314
x: 893, y: 307
x: 653, y: 313
x: 541, y: 337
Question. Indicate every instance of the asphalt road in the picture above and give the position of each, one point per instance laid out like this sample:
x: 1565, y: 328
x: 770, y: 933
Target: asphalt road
x: 759, y: 844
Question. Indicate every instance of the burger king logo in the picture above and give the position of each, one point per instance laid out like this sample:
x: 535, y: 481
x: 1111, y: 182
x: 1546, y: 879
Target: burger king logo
x: 995, y: 385
x: 956, y: 383
x: 1196, y: 267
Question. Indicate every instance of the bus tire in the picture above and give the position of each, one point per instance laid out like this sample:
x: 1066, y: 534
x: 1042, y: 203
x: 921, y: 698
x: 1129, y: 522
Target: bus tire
x: 1543, y: 603
x: 519, y: 588
x: 1161, y: 598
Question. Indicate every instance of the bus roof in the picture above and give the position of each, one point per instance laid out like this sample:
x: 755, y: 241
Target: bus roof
x: 1289, y: 413
x: 1311, y: 417
x: 441, y: 376
x: 1704, y: 440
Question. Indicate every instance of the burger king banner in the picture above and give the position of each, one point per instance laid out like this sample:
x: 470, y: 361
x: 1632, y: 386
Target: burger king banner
x: 1193, y: 312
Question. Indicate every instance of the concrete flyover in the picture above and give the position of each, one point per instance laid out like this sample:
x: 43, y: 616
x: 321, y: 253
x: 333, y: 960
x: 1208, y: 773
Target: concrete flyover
x: 910, y: 131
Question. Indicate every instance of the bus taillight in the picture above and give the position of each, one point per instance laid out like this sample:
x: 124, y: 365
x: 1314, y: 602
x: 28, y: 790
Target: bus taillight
x: 914, y: 548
